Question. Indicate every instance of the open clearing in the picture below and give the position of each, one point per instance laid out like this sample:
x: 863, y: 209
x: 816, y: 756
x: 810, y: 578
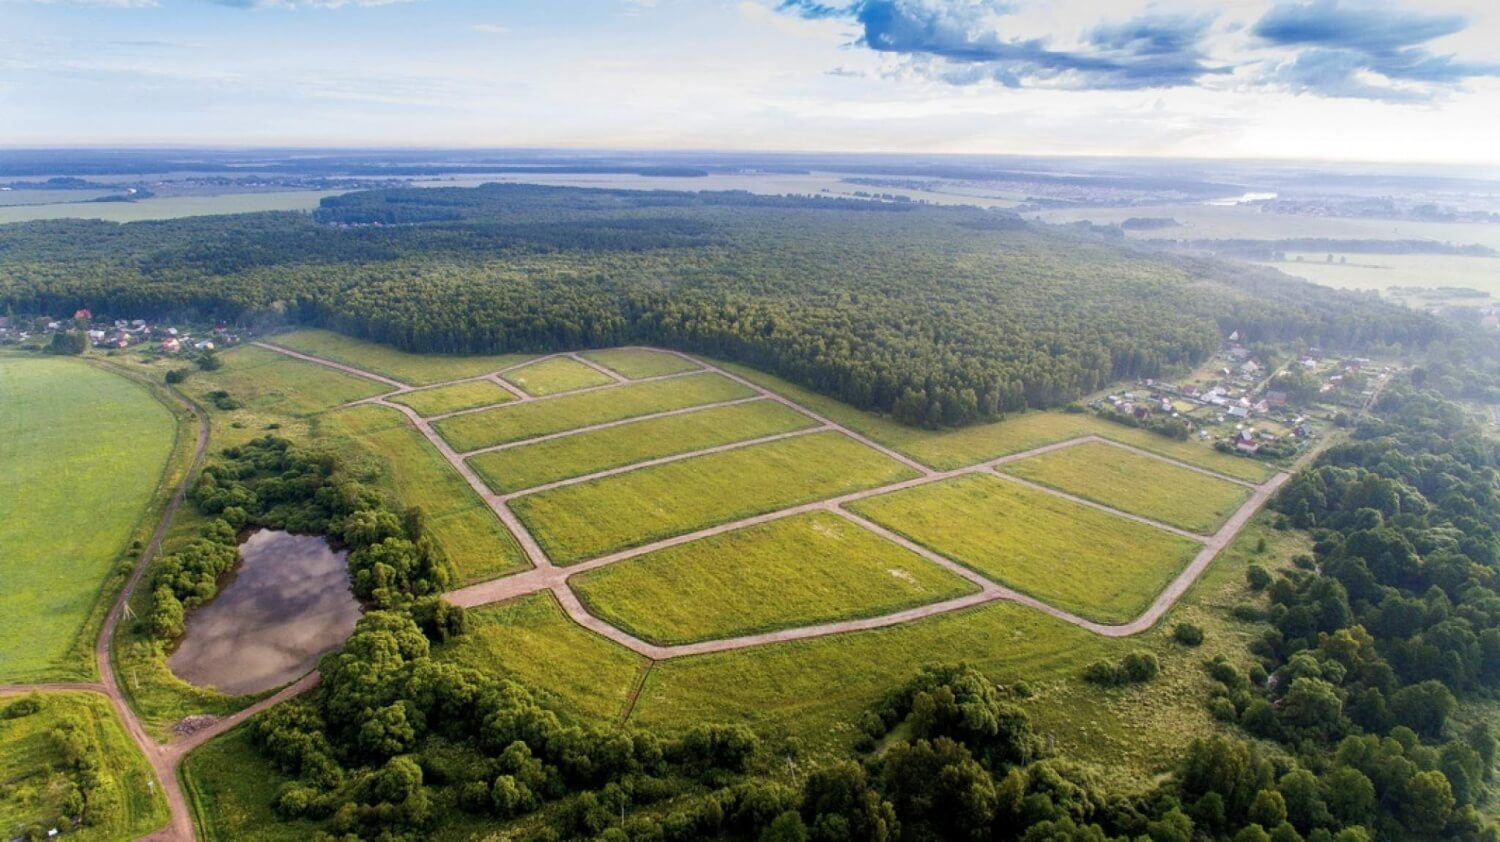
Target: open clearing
x: 531, y: 465
x: 505, y: 424
x: 267, y: 382
x: 83, y: 452
x: 1137, y: 484
x: 581, y: 521
x: 798, y: 571
x: 636, y: 363
x: 128, y: 803
x: 1094, y: 564
x: 413, y: 369
x: 444, y: 399
x: 231, y: 803
x: 463, y: 525
x: 554, y: 375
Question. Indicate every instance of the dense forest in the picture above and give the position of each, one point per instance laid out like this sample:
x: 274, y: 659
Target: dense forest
x: 938, y: 316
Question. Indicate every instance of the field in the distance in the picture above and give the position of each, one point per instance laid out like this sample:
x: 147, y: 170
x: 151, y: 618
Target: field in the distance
x: 82, y: 461
x: 1094, y: 564
x: 413, y: 369
x: 555, y: 375
x: 1136, y: 484
x: 636, y: 363
x: 797, y: 571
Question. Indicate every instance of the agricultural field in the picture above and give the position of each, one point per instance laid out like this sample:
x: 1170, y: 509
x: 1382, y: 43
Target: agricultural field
x: 37, y: 773
x: 505, y: 424
x: 797, y: 571
x: 555, y: 375
x: 1096, y: 565
x: 440, y: 400
x: 638, y: 363
x: 1137, y: 484
x: 581, y: 521
x: 168, y: 207
x: 1383, y: 271
x: 530, y: 465
x: 83, y: 463
x: 412, y: 369
x: 265, y: 383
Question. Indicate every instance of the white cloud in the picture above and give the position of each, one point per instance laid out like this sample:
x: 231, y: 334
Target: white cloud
x: 491, y: 28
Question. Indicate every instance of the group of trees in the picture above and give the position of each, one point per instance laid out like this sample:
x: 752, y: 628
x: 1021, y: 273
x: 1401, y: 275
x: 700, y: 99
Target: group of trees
x: 85, y: 790
x: 937, y: 316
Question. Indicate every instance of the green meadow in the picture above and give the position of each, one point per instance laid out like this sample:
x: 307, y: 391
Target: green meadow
x: 637, y: 363
x: 413, y: 369
x: 554, y: 375
x: 440, y: 400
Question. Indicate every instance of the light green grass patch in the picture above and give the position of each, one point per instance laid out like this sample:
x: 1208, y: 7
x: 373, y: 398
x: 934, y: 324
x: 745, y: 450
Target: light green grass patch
x: 1136, y: 484
x: 556, y: 374
x: 230, y: 787
x: 126, y: 802
x: 531, y: 465
x: 636, y: 363
x: 83, y: 453
x: 477, y: 544
x: 413, y: 369
x: 505, y: 424
x: 1093, y: 564
x: 798, y: 571
x: 958, y: 448
x: 580, y: 674
x: 443, y: 399
x: 581, y: 521
x: 267, y: 383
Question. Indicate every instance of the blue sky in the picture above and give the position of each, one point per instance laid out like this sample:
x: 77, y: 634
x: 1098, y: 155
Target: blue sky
x: 1333, y: 79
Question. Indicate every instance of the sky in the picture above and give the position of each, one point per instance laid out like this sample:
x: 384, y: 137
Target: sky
x: 1306, y: 79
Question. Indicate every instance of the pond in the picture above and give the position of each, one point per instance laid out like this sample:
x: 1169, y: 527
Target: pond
x: 288, y: 603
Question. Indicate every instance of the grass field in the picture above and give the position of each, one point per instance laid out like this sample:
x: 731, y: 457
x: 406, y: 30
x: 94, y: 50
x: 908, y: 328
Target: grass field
x: 414, y: 369
x: 1137, y: 484
x: 578, y: 673
x: 265, y: 382
x: 84, y: 451
x: 229, y: 801
x: 636, y: 363
x: 799, y: 571
x: 125, y: 800
x: 948, y: 449
x: 442, y: 399
x: 531, y: 465
x: 554, y: 375
x: 1096, y: 565
x: 505, y: 424
x: 627, y: 510
x: 462, y: 523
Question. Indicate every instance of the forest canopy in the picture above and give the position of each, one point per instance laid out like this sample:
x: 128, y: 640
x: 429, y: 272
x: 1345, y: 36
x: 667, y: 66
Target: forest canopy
x: 938, y: 316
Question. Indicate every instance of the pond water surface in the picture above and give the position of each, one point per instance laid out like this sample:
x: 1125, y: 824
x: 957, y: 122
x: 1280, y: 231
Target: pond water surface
x: 288, y: 603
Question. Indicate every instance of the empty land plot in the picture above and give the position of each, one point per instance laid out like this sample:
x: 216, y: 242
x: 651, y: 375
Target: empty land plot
x: 505, y: 424
x: 949, y: 449
x: 83, y: 451
x: 627, y: 510
x: 531, y: 465
x: 1137, y: 484
x: 1085, y: 561
x: 263, y: 381
x: 530, y: 639
x: 37, y: 771
x: 556, y: 374
x: 636, y: 363
x: 799, y: 571
x: 413, y: 369
x: 461, y: 522
x: 815, y: 688
x: 443, y: 399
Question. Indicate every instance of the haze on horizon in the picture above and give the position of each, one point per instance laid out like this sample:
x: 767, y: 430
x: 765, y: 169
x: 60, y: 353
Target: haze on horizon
x: 1304, y: 79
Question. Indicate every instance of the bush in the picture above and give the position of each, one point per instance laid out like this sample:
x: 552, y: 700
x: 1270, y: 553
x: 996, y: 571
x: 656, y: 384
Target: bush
x: 177, y: 375
x: 1134, y: 668
x: 1187, y: 634
x: 1248, y: 612
x: 22, y: 707
x: 1257, y: 577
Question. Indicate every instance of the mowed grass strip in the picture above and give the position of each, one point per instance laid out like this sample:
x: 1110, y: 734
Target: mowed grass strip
x: 1093, y: 564
x: 531, y: 465
x: 83, y: 451
x: 799, y: 571
x: 958, y: 448
x: 636, y: 363
x: 442, y: 399
x: 412, y: 369
x: 265, y: 382
x: 587, y: 678
x: 1136, y: 484
x: 581, y: 521
x: 517, y: 422
x: 32, y: 764
x: 462, y: 524
x: 554, y: 375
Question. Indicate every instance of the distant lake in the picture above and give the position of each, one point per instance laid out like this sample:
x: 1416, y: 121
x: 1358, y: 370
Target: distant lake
x: 288, y: 603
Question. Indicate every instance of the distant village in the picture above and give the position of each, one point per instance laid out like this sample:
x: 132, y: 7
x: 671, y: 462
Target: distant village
x: 169, y: 339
